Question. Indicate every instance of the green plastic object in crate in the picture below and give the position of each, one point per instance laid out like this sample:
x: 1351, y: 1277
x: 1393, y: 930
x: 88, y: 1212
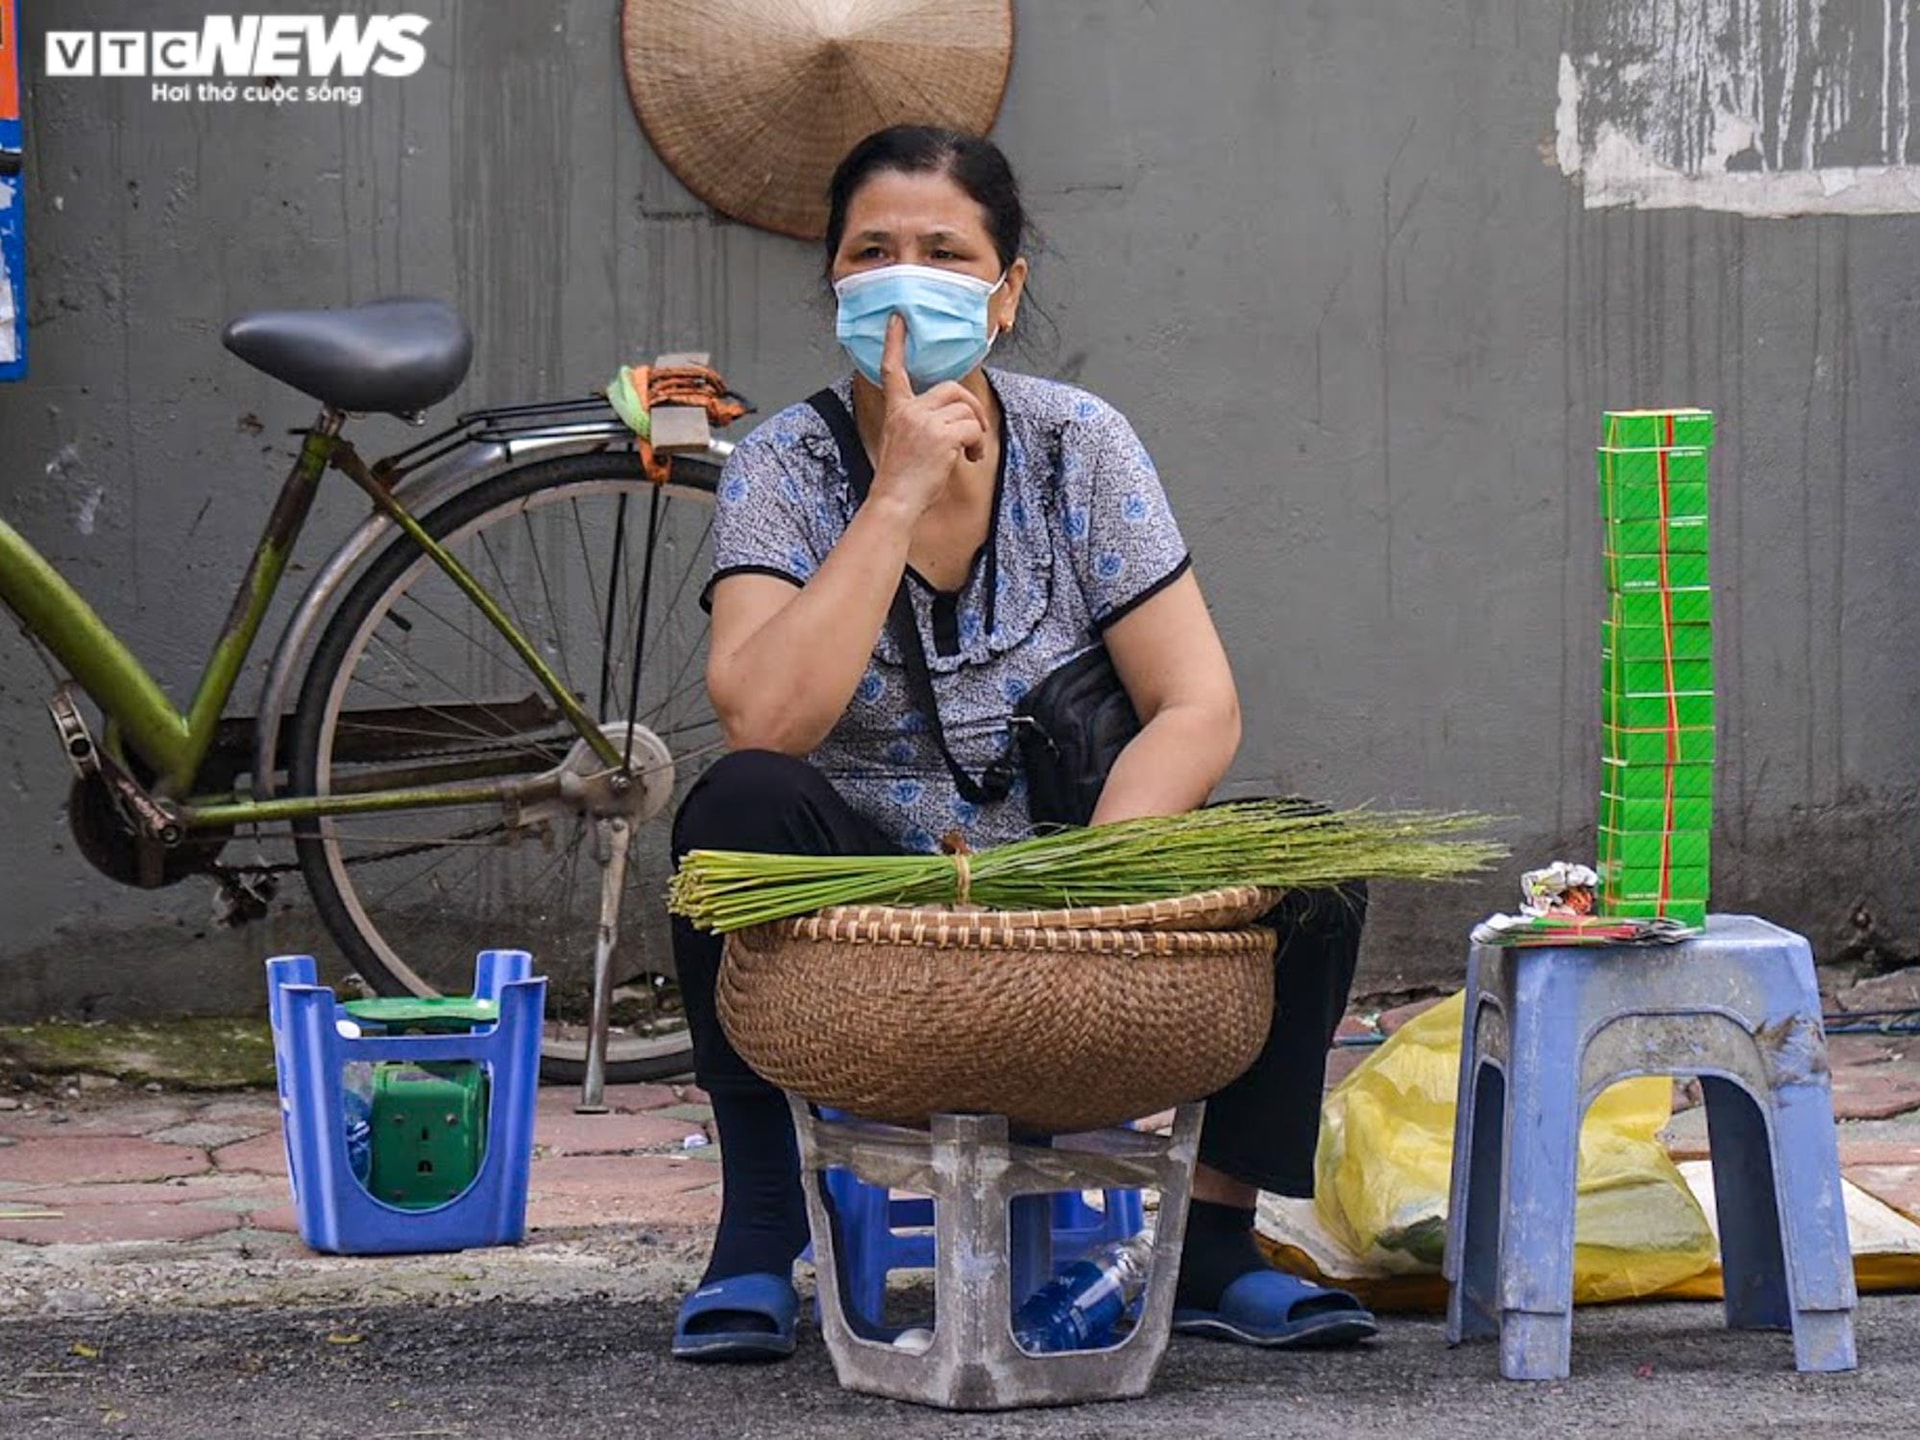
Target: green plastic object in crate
x: 429, y: 1122
x: 429, y: 1132
x: 424, y: 1014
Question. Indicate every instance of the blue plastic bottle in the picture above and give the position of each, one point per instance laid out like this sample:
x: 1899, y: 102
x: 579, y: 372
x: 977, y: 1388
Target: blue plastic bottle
x: 356, y: 1102
x: 1078, y: 1310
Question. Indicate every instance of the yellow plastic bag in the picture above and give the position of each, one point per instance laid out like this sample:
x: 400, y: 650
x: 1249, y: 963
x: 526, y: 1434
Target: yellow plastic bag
x: 1384, y: 1166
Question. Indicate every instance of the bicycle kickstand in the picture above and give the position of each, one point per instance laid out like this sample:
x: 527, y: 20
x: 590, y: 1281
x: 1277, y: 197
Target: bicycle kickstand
x: 611, y: 851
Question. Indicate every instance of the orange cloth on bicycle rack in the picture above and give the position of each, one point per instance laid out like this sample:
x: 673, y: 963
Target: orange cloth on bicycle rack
x: 696, y: 386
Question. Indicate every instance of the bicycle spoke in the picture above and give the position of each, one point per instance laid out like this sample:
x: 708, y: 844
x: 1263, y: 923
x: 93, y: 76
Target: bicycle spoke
x: 470, y: 842
x: 449, y: 716
x: 480, y: 641
x: 600, y: 612
x: 673, y: 603
x: 697, y: 725
x: 553, y: 611
x: 445, y: 715
x: 621, y: 656
x: 572, y: 873
x: 507, y: 590
x: 614, y: 576
x: 348, y: 723
x: 415, y: 878
x: 535, y: 883
x: 646, y: 595
x: 676, y: 688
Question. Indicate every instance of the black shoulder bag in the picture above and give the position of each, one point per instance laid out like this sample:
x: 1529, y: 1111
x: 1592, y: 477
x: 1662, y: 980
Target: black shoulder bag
x: 1068, y: 730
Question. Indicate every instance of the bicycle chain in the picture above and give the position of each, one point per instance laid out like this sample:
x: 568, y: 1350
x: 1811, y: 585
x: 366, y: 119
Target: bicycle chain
x: 287, y: 867
x: 268, y: 868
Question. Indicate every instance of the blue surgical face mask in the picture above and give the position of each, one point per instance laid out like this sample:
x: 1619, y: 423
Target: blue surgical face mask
x: 948, y: 333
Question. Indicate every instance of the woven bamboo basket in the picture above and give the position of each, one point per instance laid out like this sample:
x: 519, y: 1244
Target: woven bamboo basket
x: 901, y: 1015
x: 1226, y: 909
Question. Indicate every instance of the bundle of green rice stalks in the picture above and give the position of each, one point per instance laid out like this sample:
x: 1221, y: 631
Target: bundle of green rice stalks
x: 1279, y: 844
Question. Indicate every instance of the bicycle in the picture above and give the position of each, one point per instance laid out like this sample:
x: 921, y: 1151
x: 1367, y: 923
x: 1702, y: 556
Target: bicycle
x: 502, y: 687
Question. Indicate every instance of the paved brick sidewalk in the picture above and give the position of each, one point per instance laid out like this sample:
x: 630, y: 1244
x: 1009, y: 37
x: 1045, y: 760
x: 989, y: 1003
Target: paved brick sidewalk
x: 125, y: 1164
x: 121, y: 1164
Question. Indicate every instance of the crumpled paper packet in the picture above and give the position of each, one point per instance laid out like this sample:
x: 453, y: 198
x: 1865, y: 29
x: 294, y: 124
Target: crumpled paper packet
x: 1557, y: 907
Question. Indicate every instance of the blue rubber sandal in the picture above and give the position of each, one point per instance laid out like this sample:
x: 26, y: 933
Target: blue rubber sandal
x: 769, y: 1300
x: 1278, y: 1311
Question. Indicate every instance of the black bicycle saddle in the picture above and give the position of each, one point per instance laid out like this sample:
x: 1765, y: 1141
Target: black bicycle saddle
x: 394, y: 357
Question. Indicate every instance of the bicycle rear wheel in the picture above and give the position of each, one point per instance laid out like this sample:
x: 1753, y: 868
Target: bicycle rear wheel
x: 410, y: 685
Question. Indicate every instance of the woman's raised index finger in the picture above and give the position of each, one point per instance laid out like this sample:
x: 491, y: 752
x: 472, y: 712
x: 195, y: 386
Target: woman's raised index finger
x: 893, y: 361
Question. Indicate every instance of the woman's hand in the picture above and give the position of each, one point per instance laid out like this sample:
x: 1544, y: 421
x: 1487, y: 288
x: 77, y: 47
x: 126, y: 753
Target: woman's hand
x: 923, y: 437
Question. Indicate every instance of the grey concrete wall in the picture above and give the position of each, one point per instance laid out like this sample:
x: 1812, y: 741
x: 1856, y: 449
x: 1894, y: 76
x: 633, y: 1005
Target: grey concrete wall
x: 1320, y: 253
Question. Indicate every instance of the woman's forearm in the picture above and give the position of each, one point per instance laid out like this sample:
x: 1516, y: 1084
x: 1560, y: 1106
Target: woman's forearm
x: 1172, y: 765
x: 789, y: 682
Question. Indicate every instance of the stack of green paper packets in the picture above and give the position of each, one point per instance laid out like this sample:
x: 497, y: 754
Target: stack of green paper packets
x: 1656, y: 792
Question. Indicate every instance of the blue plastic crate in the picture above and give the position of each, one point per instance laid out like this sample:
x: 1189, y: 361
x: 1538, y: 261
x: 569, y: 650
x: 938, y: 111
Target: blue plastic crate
x: 334, y: 1210
x: 881, y: 1233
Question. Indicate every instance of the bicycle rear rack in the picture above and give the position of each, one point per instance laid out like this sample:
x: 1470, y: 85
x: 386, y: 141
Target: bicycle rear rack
x: 590, y: 417
x: 590, y: 414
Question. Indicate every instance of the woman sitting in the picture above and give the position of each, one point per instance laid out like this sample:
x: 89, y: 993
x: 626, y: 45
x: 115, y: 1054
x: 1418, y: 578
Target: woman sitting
x: 1021, y: 524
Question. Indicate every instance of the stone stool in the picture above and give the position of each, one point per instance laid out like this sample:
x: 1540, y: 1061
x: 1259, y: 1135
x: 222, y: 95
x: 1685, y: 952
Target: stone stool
x: 974, y: 1172
x: 1547, y: 1030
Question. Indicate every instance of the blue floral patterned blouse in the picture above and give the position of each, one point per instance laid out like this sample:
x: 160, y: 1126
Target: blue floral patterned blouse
x: 1081, y: 533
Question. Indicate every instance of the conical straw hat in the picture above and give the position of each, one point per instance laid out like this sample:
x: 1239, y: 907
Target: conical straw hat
x: 753, y: 102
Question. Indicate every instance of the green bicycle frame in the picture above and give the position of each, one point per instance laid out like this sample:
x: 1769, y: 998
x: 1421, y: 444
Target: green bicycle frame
x: 174, y: 744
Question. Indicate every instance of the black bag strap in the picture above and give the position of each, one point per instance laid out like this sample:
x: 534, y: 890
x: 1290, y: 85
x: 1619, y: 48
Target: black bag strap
x: 998, y: 780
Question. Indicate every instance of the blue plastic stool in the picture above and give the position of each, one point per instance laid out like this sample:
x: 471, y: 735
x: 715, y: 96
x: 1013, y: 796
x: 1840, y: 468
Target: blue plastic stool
x: 335, y: 1211
x: 1547, y: 1030
x: 992, y: 1196
x: 1049, y: 1232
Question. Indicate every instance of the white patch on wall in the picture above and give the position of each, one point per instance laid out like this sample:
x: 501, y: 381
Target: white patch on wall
x: 1755, y: 107
x: 88, y: 510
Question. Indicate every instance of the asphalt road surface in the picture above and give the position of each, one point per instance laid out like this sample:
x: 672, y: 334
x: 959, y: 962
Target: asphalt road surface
x: 599, y: 1369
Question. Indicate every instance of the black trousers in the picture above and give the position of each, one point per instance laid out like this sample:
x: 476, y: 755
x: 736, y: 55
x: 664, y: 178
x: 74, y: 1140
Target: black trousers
x: 1261, y: 1129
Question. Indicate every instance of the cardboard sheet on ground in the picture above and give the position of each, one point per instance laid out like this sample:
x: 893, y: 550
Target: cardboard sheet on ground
x: 1644, y: 1225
